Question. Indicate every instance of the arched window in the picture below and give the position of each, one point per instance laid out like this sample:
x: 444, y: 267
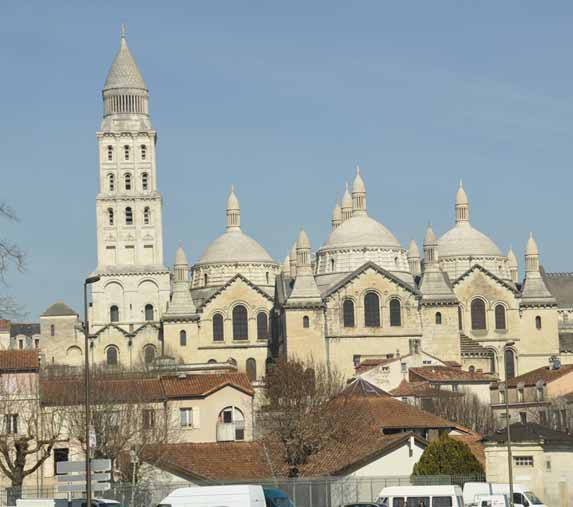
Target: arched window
x: 509, y: 363
x: 218, y: 330
x: 267, y: 278
x: 212, y: 361
x: 538, y: 322
x: 472, y: 369
x: 478, y: 314
x: 183, y: 338
x: 144, y: 181
x: 395, y: 313
x: 127, y: 178
x: 111, y: 356
x: 348, y: 313
x: 240, y: 323
x: 371, y: 310
x: 205, y: 279
x: 305, y: 322
x: 232, y: 415
x: 114, y: 314
x: 110, y: 216
x: 251, y: 369
x: 52, y: 330
x: 109, y: 152
x: 149, y: 354
x: 262, y: 326
x: 332, y: 264
x: 111, y: 182
x: 126, y: 152
x: 148, y: 312
x: 500, y: 317
x: 146, y: 215
x: 438, y: 318
x: 460, y: 318
x: 232, y: 361
x: 143, y: 149
x: 128, y: 216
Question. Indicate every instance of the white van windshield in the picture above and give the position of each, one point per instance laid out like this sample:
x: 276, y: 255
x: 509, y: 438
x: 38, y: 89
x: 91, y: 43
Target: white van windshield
x: 533, y: 498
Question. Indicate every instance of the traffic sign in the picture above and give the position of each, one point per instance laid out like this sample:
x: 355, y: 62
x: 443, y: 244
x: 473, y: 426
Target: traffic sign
x: 81, y: 487
x: 97, y: 465
x: 96, y: 477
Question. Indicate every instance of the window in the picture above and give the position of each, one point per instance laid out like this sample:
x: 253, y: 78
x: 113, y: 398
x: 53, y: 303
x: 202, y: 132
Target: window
x: 128, y: 181
x: 418, y: 501
x: 523, y: 417
x: 492, y: 361
x: 205, y: 279
x: 111, y: 182
x: 442, y: 501
x: 395, y: 313
x: 232, y: 415
x: 109, y: 152
x: 232, y: 361
x: 305, y: 322
x: 455, y: 388
x: 143, y: 149
x: 403, y: 368
x: 148, y: 312
x: 262, y: 326
x: 543, y: 417
x: 126, y: 152
x: 149, y: 354
x: 538, y: 322
x: 186, y: 417
x: 52, y: 330
x: 182, y: 338
x: 240, y: 323
x: 398, y: 502
x: 539, y: 393
x: 478, y: 314
x: 146, y: 215
x: 371, y: 310
x: 251, y: 368
x: 500, y: 323
x: 128, y: 216
x: 509, y: 363
x: 11, y: 424
x: 218, y: 332
x: 548, y: 464
x: 267, y: 278
x: 59, y: 456
x: 502, y: 394
x: 460, y: 318
x: 111, y: 356
x: 332, y: 265
x: 37, y: 343
x: 520, y: 394
x: 148, y: 419
x: 20, y: 344
x: 348, y: 313
x: 523, y: 461
x: 144, y: 181
x: 114, y: 314
x: 438, y: 318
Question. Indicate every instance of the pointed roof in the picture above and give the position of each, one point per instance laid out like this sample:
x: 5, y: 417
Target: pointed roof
x: 346, y: 198
x: 358, y: 184
x: 286, y: 264
x: 531, y: 247
x: 124, y: 72
x: 180, y: 257
x: 435, y: 288
x: 461, y: 196
x: 232, y: 201
x: 302, y: 241
x: 511, y: 258
x: 58, y: 309
x: 430, y: 237
x: 337, y: 212
x: 413, y: 252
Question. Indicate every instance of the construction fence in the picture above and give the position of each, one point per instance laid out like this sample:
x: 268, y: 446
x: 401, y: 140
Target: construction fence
x: 316, y: 492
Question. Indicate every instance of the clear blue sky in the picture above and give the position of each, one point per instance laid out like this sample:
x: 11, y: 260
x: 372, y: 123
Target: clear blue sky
x: 283, y: 99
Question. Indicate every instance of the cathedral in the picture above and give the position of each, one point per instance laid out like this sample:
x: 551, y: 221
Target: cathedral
x: 361, y: 295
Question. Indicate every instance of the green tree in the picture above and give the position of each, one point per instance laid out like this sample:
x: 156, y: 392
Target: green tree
x: 447, y: 456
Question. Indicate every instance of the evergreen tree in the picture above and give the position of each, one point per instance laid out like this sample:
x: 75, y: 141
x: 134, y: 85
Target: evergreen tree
x: 447, y: 456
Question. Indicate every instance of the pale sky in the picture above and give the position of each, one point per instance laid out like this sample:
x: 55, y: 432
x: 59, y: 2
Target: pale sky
x: 283, y: 99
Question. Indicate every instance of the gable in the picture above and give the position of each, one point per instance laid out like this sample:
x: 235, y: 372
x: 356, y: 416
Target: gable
x: 478, y: 281
x: 238, y: 289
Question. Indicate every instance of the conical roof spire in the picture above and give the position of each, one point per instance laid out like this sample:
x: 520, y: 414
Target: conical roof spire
x: 430, y: 237
x: 180, y: 257
x: 358, y: 184
x: 462, y: 206
x: 358, y: 194
x: 124, y: 72
x: 233, y: 211
x: 413, y: 252
x: 511, y: 258
x: 531, y: 247
x: 461, y: 196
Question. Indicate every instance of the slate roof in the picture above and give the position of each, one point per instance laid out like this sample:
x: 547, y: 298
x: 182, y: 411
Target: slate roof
x: 24, y: 328
x: 19, y: 360
x: 448, y: 374
x: 58, y: 309
x: 561, y: 287
x: 530, y: 432
x: 541, y: 374
x: 124, y: 72
x: 470, y: 347
x: 361, y: 387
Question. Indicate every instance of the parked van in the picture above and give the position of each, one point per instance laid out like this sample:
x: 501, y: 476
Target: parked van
x: 521, y: 495
x: 248, y: 495
x: 492, y: 501
x: 421, y: 496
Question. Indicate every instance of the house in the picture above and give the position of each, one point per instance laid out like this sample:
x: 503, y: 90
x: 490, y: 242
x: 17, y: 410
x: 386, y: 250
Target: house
x: 541, y: 459
x: 421, y: 394
x: 543, y: 395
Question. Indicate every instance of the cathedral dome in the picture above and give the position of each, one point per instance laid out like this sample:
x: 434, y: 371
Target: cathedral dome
x: 465, y: 240
x: 359, y: 231
x: 234, y: 246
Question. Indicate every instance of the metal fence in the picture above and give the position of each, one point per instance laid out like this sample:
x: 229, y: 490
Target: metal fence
x: 316, y: 492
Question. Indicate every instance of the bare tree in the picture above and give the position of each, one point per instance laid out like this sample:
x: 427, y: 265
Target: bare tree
x: 10, y: 256
x: 466, y: 409
x: 556, y: 413
x: 304, y: 410
x: 29, y: 433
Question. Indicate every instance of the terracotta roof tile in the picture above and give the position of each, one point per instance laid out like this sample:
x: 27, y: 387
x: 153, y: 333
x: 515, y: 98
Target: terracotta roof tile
x: 448, y: 374
x: 368, y: 364
x: 202, y: 384
x: 421, y: 389
x: 541, y: 374
x: 19, y: 360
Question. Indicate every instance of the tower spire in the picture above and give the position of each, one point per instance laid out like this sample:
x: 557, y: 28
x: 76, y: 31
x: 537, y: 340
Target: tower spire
x: 233, y: 211
x: 462, y: 205
x: 346, y: 204
x: 358, y: 194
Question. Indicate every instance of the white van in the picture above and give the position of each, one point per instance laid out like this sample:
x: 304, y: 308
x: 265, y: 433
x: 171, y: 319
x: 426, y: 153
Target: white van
x: 492, y: 501
x: 421, y: 496
x: 216, y: 496
x: 521, y: 495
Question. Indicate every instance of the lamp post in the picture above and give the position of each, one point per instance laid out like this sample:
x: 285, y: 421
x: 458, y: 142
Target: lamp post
x: 88, y: 281
x: 507, y: 423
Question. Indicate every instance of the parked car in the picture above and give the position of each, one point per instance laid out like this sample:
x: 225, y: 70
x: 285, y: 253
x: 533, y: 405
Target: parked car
x: 248, y: 495
x: 275, y: 497
x: 522, y: 497
x: 362, y: 504
x: 421, y: 496
x: 492, y: 501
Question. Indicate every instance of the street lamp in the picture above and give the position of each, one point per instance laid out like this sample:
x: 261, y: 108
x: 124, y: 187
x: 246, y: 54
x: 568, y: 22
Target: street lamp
x: 507, y: 421
x: 87, y: 281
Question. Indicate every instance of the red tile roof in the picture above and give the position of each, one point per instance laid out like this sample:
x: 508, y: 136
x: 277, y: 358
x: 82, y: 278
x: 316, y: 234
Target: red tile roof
x: 448, y: 374
x: 203, y: 385
x: 368, y: 364
x: 544, y: 374
x: 420, y: 390
x: 4, y: 325
x: 19, y: 360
